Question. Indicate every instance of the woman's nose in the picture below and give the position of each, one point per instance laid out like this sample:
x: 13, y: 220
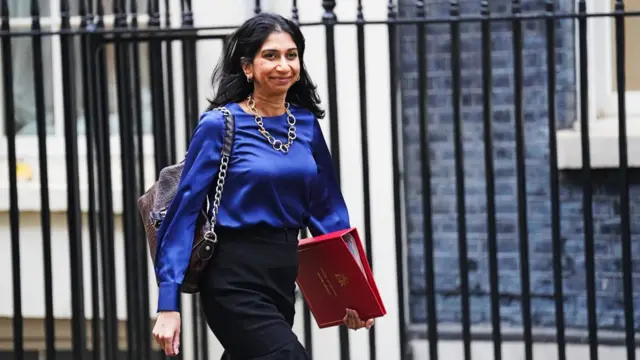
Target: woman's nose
x: 283, y: 64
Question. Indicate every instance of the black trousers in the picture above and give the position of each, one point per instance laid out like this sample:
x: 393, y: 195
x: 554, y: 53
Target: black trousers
x: 248, y: 294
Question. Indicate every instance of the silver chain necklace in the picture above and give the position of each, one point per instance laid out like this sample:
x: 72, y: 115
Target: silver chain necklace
x: 275, y: 143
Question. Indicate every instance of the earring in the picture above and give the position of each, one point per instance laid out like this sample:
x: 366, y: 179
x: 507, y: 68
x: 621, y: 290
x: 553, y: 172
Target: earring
x: 298, y: 78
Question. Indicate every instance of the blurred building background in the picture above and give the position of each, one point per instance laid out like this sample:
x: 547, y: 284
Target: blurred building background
x: 501, y: 184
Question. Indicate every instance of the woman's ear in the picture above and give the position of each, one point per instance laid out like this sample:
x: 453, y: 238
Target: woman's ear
x: 247, y: 72
x: 247, y: 68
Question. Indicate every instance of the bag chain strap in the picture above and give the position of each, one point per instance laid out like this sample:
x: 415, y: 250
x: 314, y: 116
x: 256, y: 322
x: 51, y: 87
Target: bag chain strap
x: 224, y: 164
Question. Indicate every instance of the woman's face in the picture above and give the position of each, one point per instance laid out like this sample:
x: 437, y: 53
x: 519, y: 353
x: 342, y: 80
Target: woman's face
x: 276, y: 66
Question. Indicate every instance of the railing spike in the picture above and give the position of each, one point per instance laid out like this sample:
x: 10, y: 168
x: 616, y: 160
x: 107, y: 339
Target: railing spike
x: 391, y: 10
x: 484, y: 7
x: 420, y: 8
x: 100, y: 9
x: 35, y: 9
x: 4, y: 8
x: 454, y: 7
x: 64, y: 7
x: 329, y: 13
x: 294, y: 12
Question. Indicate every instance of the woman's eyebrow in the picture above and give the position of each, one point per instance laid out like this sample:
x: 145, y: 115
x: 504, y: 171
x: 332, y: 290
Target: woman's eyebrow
x: 273, y: 49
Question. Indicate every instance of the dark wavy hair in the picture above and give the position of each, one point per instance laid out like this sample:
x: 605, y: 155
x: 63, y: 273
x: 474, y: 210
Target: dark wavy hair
x: 229, y: 81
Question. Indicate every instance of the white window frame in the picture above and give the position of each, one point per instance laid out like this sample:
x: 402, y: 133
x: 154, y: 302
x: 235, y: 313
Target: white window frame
x: 603, y: 103
x: 601, y: 69
x: 27, y: 144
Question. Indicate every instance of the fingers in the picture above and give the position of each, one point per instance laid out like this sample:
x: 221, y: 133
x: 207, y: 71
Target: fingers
x: 369, y: 324
x: 176, y: 342
x: 169, y: 343
x: 353, y: 321
x: 349, y: 320
x: 166, y: 332
x: 156, y: 337
x: 168, y: 340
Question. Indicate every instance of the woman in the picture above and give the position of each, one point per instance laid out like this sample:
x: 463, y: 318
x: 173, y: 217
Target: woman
x: 280, y: 179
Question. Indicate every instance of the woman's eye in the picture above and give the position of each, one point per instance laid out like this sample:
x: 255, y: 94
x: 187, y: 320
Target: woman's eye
x: 272, y: 56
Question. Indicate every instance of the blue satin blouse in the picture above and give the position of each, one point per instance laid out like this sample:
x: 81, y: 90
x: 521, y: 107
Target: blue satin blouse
x: 262, y: 187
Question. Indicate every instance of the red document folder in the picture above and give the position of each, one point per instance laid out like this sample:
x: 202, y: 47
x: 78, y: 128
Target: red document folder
x: 334, y: 275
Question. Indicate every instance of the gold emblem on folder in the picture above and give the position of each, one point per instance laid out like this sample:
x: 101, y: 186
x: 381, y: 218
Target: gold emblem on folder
x: 342, y: 280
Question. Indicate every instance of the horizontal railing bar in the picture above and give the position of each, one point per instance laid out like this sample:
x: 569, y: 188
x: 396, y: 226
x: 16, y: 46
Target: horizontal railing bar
x: 163, y: 37
x: 479, y: 18
x: 120, y: 31
x: 75, y: 21
x: 515, y: 334
x: 405, y: 21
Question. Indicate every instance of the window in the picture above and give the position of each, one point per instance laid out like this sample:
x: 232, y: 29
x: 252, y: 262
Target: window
x: 604, y: 50
x: 632, y: 49
x: 145, y: 93
x: 23, y: 74
x: 25, y: 115
x: 603, y: 92
x: 141, y: 6
x: 24, y: 86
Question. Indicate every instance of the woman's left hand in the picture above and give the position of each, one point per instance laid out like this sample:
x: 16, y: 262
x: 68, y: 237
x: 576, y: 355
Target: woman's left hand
x: 353, y: 321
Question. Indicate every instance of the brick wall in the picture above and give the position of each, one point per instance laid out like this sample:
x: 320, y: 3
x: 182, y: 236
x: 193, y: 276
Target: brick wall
x: 440, y: 118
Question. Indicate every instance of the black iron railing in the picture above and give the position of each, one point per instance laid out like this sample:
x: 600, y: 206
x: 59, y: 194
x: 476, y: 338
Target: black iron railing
x: 86, y: 46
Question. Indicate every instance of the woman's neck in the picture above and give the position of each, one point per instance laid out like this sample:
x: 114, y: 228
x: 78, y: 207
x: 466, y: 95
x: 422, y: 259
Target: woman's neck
x: 269, y: 105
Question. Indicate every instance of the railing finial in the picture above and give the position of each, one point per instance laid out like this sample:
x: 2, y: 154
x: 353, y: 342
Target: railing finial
x: 64, y: 7
x: 360, y: 13
x: 484, y: 7
x: 257, y: 9
x: 187, y: 14
x: 550, y: 5
x: 294, y: 12
x: 134, y: 7
x: 516, y: 6
x: 35, y: 8
x: 329, y: 13
x: 4, y: 8
x: 391, y: 10
x: 454, y: 7
x: 420, y: 9
x: 582, y: 6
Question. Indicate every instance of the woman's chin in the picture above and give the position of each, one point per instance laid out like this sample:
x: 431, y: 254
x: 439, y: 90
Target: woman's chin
x: 276, y: 89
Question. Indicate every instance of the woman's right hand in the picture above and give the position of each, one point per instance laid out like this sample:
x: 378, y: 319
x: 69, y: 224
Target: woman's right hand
x: 166, y: 332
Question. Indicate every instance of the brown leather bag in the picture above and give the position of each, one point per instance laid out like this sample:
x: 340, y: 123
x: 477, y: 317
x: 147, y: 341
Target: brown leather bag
x: 155, y: 202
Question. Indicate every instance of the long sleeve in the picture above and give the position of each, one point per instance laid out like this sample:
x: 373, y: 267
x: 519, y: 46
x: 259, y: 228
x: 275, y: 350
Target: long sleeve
x: 328, y: 209
x: 175, y: 235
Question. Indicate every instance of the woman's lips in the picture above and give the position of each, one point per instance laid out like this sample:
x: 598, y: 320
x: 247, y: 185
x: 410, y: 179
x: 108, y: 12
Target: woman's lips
x: 282, y: 80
